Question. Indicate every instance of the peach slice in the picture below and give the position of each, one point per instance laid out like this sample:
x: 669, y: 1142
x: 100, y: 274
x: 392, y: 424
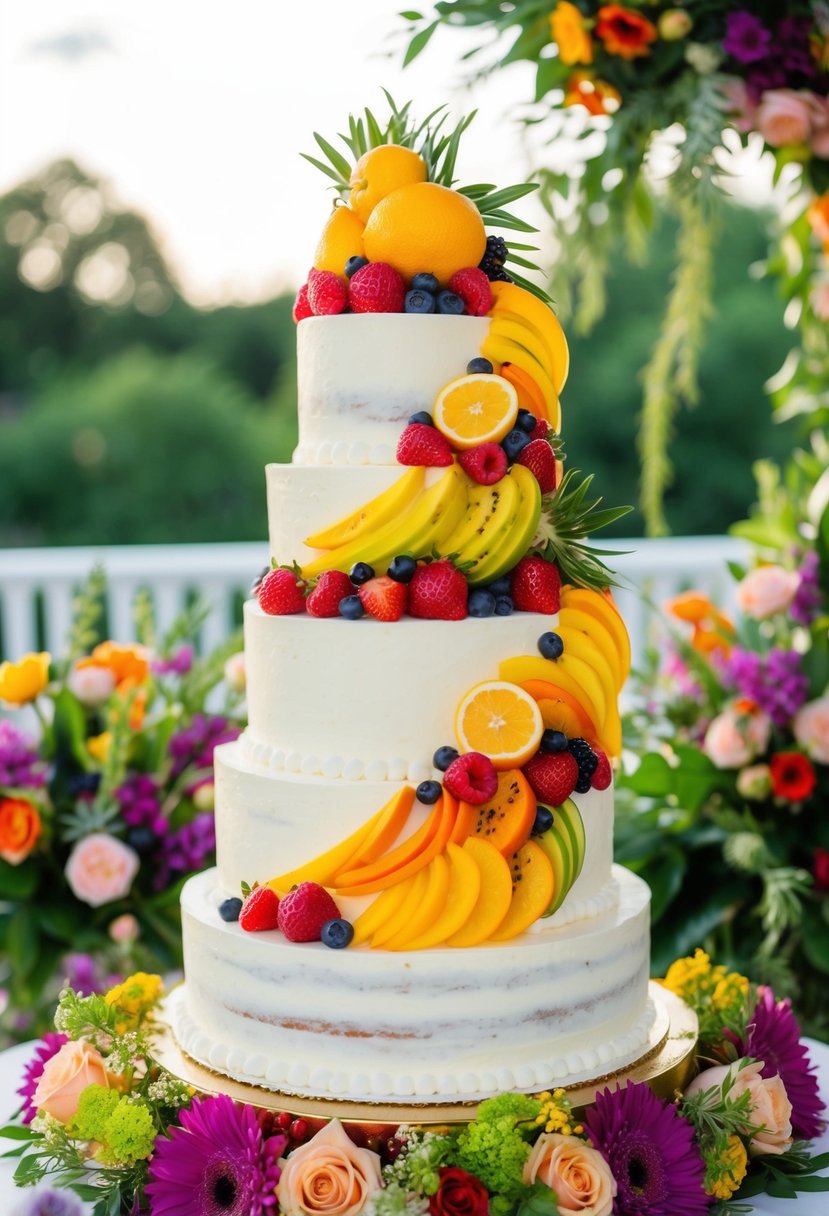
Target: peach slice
x: 398, y: 857
x: 467, y: 815
x: 415, y: 887
x: 459, y: 902
x: 378, y: 913
x: 437, y: 842
x: 494, y: 895
x: 387, y: 827
x: 506, y: 820
x: 556, y: 704
x: 430, y: 907
x: 532, y: 891
x: 572, y: 675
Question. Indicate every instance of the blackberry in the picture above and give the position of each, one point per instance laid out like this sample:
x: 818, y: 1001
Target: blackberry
x: 496, y: 254
x: 587, y: 761
x: 501, y: 276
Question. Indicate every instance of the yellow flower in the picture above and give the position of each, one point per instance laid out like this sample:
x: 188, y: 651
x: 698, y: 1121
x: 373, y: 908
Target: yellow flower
x: 569, y: 32
x: 725, y: 1173
x: 555, y: 1114
x: 98, y: 746
x: 696, y: 981
x: 24, y: 680
x: 134, y: 997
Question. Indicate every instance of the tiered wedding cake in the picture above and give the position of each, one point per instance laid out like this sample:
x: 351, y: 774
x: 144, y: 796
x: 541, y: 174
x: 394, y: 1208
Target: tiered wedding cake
x: 415, y: 736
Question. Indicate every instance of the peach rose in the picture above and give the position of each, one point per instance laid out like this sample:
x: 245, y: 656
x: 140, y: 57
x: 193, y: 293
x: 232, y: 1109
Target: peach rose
x: 819, y: 137
x: 91, y: 685
x: 767, y: 590
x: 784, y: 117
x: 19, y: 829
x: 235, y: 674
x: 329, y: 1175
x: 577, y: 1174
x: 100, y: 869
x: 811, y: 728
x: 771, y: 1109
x: 734, y: 739
x: 64, y: 1078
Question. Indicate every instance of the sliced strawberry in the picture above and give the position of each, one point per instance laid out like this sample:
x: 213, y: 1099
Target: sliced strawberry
x: 303, y: 912
x: 302, y: 307
x: 423, y: 445
x: 552, y: 776
x: 331, y: 587
x: 377, y: 287
x: 486, y: 464
x: 281, y: 593
x: 472, y: 778
x: 539, y: 458
x: 472, y: 285
x: 603, y: 774
x: 536, y: 585
x: 383, y: 598
x: 260, y: 910
x: 438, y: 592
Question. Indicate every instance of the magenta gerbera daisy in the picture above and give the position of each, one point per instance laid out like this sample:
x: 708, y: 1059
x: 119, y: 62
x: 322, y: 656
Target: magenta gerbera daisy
x: 773, y: 1036
x: 217, y: 1163
x: 651, y: 1151
x: 49, y: 1046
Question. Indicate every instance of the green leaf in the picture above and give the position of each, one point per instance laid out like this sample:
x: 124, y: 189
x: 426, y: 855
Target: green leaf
x: 418, y: 43
x: 18, y: 882
x: 323, y: 168
x: 654, y: 778
x: 13, y: 1132
x: 22, y: 941
x: 815, y: 940
x: 410, y: 15
x: 664, y: 875
x: 336, y: 158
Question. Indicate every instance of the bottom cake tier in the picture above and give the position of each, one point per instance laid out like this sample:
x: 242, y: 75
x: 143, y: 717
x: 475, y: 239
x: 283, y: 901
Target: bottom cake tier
x: 554, y: 1007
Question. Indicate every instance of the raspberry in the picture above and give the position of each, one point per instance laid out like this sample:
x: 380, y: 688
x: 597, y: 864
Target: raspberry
x: 486, y: 464
x: 538, y: 457
x: 471, y: 778
x: 552, y: 776
x: 472, y: 285
x: 536, y: 585
x: 438, y: 592
x: 303, y: 912
x: 302, y: 308
x: 327, y: 293
x: 377, y: 287
x: 423, y: 445
x: 332, y: 586
x: 603, y: 775
x: 260, y: 910
x: 384, y: 598
x: 281, y: 593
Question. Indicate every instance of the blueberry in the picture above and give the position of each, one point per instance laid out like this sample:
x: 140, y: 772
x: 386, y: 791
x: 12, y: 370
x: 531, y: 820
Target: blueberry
x: 337, y: 933
x: 481, y: 603
x: 254, y: 587
x: 554, y: 741
x: 551, y: 645
x: 141, y: 839
x: 361, y: 573
x: 500, y: 586
x: 423, y: 417
x: 402, y: 568
x: 504, y: 605
x: 351, y: 607
x: 425, y: 282
x: 479, y: 365
x: 229, y: 910
x: 543, y: 820
x: 354, y: 264
x: 444, y: 756
x: 526, y: 421
x: 419, y: 302
x: 428, y: 792
x: 514, y: 443
x: 450, y: 303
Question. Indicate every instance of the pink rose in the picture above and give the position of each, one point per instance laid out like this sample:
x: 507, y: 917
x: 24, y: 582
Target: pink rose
x: 819, y: 137
x: 734, y: 739
x: 754, y: 782
x: 234, y: 671
x: 125, y: 929
x: 770, y: 1110
x: 91, y: 685
x: 767, y: 590
x: 741, y: 108
x: 577, y: 1174
x: 100, y: 869
x: 811, y: 728
x: 784, y: 117
x: 64, y: 1078
x: 328, y: 1175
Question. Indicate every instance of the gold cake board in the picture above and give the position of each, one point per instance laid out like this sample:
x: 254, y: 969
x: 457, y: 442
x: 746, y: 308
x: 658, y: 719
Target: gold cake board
x: 665, y: 1064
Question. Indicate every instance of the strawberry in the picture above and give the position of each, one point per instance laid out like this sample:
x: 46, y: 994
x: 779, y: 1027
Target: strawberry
x: 383, y: 598
x: 472, y: 285
x: 304, y: 910
x: 260, y: 910
x: 377, y: 287
x: 281, y: 593
x: 331, y: 587
x: 542, y: 429
x: 302, y: 308
x: 423, y: 445
x: 486, y: 464
x: 603, y: 774
x: 552, y: 775
x: 327, y: 294
x: 438, y: 592
x: 536, y: 585
x: 472, y: 778
x: 538, y: 457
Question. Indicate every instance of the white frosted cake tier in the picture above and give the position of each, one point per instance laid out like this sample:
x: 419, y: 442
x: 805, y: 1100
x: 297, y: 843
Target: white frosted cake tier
x: 272, y: 817
x: 554, y: 1006
x: 361, y: 375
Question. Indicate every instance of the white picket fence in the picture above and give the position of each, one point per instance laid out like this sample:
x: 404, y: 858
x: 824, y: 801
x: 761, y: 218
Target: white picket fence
x: 37, y: 586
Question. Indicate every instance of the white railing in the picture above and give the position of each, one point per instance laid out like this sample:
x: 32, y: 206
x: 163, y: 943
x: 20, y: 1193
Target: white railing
x: 37, y: 586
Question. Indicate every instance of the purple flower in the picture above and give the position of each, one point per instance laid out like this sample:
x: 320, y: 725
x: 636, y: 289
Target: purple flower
x: 651, y: 1151
x: 177, y: 664
x: 140, y: 801
x: 188, y: 848
x: 791, y: 43
x: 20, y: 765
x: 808, y: 598
x: 196, y: 743
x: 217, y: 1163
x: 775, y: 681
x: 81, y: 973
x: 49, y: 1046
x: 773, y: 1036
x: 50, y: 1202
x: 746, y: 38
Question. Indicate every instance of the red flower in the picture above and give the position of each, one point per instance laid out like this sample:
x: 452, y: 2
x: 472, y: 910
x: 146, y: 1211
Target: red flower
x: 792, y: 776
x: 459, y: 1194
x: 624, y: 32
x: 820, y: 870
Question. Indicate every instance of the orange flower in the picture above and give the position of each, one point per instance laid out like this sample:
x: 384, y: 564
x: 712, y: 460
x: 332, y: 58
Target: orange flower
x: 595, y: 95
x: 818, y: 215
x: 712, y: 628
x: 624, y: 32
x: 20, y: 829
x: 125, y: 662
x: 569, y: 32
x: 24, y: 680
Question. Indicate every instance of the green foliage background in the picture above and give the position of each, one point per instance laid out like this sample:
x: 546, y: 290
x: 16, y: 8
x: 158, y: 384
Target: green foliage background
x: 144, y: 419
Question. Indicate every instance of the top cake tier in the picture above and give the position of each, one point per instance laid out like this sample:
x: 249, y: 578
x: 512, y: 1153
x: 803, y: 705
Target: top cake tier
x: 362, y: 375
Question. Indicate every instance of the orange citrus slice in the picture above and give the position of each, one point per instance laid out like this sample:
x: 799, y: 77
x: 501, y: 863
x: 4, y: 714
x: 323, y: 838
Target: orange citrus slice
x: 501, y: 720
x: 478, y: 408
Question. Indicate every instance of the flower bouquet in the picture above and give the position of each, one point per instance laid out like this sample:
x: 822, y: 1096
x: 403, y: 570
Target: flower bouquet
x: 107, y: 810
x: 103, y: 1120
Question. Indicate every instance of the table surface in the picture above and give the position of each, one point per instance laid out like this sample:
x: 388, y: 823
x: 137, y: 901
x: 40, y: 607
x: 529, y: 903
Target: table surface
x: 13, y: 1061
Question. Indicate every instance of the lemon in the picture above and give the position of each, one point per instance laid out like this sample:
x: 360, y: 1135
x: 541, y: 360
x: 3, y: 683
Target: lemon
x: 425, y: 227
x: 477, y: 408
x: 380, y: 171
x: 341, y: 238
